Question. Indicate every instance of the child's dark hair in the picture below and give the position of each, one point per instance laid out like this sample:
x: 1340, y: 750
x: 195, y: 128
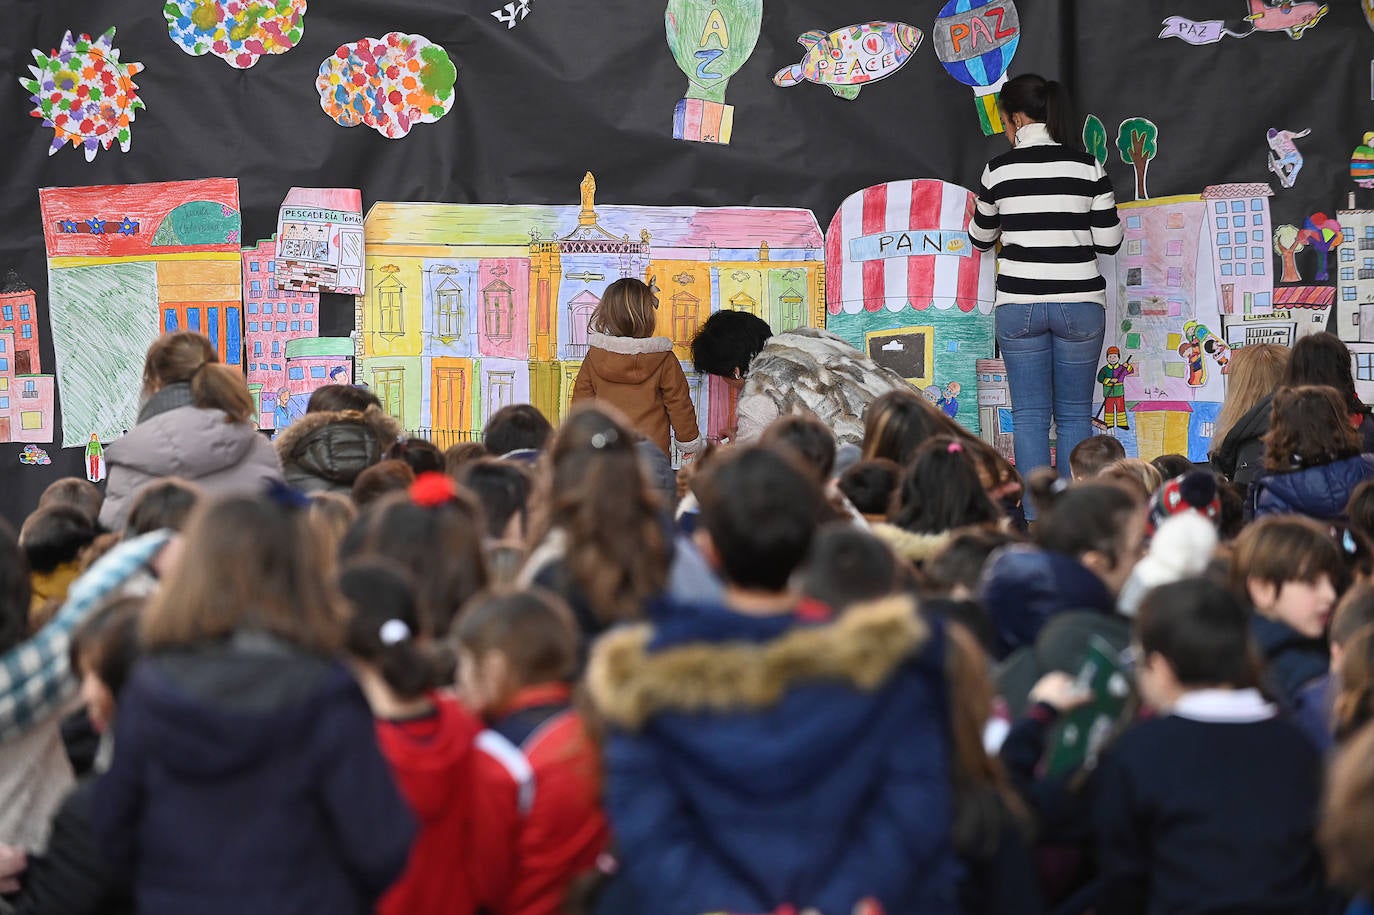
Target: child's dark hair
x: 729, y: 340
x: 503, y: 488
x: 15, y: 590
x: 1309, y: 426
x: 761, y: 511
x: 941, y: 491
x: 459, y: 455
x: 519, y: 427
x: 1043, y: 100
x: 107, y: 643
x: 336, y: 398
x: 381, y: 479
x: 1171, y: 466
x: 1202, y: 630
x: 870, y: 485
x: 1354, y: 611
x: 422, y: 456
x: 1356, y: 551
x: 385, y: 625
x: 848, y: 566
x: 55, y: 535
x: 808, y: 438
x: 1082, y: 518
x: 1323, y: 359
x: 1232, y: 519
x: 897, y: 423
x: 533, y: 628
x: 75, y: 491
x: 962, y: 560
x: 627, y: 308
x: 1279, y: 549
x: 1360, y: 509
x: 1091, y: 455
x: 162, y: 504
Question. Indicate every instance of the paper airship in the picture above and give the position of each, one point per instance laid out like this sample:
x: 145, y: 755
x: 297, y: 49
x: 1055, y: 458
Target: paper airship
x: 850, y: 58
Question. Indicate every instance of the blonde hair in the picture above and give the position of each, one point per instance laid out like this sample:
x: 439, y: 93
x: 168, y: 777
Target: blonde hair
x: 627, y: 309
x: 250, y: 564
x: 186, y: 357
x: 1255, y: 371
x: 1133, y: 472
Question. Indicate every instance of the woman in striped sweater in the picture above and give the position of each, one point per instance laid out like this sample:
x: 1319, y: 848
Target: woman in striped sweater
x: 1053, y: 209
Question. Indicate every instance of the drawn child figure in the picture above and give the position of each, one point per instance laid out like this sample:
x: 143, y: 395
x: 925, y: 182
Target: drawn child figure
x: 1112, y: 377
x: 1191, y: 351
x: 949, y: 399
x: 281, y: 414
x: 636, y: 372
x: 1284, y: 158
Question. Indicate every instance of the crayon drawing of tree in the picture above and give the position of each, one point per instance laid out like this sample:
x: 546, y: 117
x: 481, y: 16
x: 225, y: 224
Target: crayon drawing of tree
x: 1323, y: 233
x: 1095, y: 138
x: 1288, y: 242
x: 1138, y: 141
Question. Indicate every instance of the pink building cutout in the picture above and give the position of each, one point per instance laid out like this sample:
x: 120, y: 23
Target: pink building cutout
x: 272, y: 318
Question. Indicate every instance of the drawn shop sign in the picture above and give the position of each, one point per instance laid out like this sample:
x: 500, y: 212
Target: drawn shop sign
x: 1270, y: 316
x: 915, y: 243
x: 342, y: 217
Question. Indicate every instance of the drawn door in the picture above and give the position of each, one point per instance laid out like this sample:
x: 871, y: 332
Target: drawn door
x: 580, y: 309
x: 4, y: 429
x: 450, y: 400
x: 390, y: 385
x: 23, y: 364
x: 350, y: 261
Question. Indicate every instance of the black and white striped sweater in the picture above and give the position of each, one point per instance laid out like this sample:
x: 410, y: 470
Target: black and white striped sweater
x: 1054, y: 210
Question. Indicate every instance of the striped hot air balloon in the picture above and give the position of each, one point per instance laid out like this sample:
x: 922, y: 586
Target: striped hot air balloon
x: 976, y: 40
x: 1362, y: 162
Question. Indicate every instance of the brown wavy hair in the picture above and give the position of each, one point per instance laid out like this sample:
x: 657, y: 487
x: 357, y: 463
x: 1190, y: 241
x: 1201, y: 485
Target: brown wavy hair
x: 1353, y: 707
x: 899, y: 422
x: 627, y: 309
x: 1310, y: 426
x: 187, y: 357
x: 250, y: 564
x: 1347, y: 828
x: 598, y: 496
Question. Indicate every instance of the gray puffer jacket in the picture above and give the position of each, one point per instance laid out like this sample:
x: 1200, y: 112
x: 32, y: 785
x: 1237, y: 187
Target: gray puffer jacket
x: 192, y: 443
x: 325, y: 451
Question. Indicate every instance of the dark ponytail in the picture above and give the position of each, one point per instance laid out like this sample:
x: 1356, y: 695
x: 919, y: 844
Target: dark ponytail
x: 1082, y: 518
x: 1042, y: 100
x: 384, y: 626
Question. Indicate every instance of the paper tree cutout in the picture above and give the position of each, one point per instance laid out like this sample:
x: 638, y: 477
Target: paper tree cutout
x: 1288, y: 241
x: 85, y: 94
x: 390, y: 83
x: 236, y: 31
x: 1138, y: 142
x: 1324, y: 234
x: 1095, y: 139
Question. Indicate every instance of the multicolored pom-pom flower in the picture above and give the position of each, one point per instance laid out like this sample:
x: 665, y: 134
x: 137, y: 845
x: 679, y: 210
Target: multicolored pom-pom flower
x: 85, y: 94
x: 236, y: 31
x: 390, y: 83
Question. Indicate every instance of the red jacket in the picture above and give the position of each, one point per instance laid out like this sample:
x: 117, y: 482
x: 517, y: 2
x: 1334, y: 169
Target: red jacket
x: 466, y: 786
x: 565, y: 831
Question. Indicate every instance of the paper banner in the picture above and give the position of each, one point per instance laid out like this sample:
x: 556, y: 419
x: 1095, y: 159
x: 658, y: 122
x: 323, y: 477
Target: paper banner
x: 1293, y: 18
x: 238, y: 32
x: 850, y: 58
x: 85, y: 94
x: 390, y: 83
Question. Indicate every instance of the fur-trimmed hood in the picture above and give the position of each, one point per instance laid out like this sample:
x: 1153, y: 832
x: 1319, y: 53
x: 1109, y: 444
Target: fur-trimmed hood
x: 632, y: 679
x: 327, y: 450
x: 629, y: 346
x: 912, y: 547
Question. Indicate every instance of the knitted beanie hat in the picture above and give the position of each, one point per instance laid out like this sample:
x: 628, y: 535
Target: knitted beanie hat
x: 1196, y: 491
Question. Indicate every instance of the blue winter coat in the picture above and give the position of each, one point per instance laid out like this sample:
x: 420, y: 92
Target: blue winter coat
x: 1291, y: 659
x: 246, y: 778
x: 1023, y: 586
x: 754, y: 762
x: 1319, y: 492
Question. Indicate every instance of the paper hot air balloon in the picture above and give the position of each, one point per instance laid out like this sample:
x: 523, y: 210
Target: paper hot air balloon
x: 1362, y: 162
x: 976, y: 40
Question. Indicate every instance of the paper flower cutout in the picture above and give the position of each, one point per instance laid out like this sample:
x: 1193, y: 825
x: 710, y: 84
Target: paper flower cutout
x: 390, y: 83
x: 85, y: 94
x: 34, y: 456
x: 236, y: 31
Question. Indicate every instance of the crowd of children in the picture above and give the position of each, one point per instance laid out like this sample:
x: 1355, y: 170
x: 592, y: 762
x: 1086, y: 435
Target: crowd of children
x: 348, y: 672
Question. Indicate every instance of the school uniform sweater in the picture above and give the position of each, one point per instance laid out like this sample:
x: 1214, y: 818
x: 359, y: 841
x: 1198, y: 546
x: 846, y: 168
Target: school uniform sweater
x: 1210, y: 809
x: 1054, y: 210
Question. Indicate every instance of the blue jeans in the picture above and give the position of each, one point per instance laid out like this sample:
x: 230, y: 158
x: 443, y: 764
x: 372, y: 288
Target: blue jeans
x: 1051, y: 350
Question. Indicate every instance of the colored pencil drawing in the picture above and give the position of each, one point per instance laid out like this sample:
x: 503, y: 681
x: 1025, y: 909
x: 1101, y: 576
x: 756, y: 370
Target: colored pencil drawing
x: 27, y: 396
x: 976, y: 40
x: 1287, y: 16
x: 1137, y: 140
x: 110, y: 295
x: 390, y: 83
x: 850, y: 58
x: 239, y: 32
x: 1362, y: 162
x: 320, y: 241
x: 710, y: 40
x: 85, y: 94
x: 33, y: 456
x: 1285, y: 159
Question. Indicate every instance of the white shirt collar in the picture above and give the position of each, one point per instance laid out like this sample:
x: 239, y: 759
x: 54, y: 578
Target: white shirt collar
x: 1224, y: 706
x: 1033, y: 134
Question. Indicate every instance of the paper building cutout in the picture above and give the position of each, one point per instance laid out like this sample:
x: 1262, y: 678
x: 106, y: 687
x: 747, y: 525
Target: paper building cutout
x: 238, y: 32
x: 1294, y: 18
x: 320, y: 241
x: 85, y: 94
x: 390, y: 83
x: 975, y: 41
x: 1355, y: 288
x: 905, y: 284
x: 850, y: 58
x: 26, y: 394
x: 470, y: 308
x: 110, y: 296
x: 710, y: 40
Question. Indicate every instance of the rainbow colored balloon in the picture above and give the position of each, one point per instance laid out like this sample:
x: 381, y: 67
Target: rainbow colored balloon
x: 1362, y: 162
x: 975, y: 41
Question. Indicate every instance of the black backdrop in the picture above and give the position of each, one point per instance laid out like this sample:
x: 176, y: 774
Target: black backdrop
x: 590, y: 85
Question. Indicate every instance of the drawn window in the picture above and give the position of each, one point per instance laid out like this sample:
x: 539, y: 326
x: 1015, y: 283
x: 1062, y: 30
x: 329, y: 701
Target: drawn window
x: 389, y: 385
x: 1223, y: 223
x: 252, y: 308
x: 257, y: 348
x: 310, y: 308
x: 23, y: 312
x: 1348, y: 294
x: 276, y: 347
x: 9, y: 312
x: 1175, y: 276
x: 498, y: 307
x: 309, y: 325
x: 318, y: 371
x: 4, y: 365
x: 1226, y: 254
x: 1364, y: 366
x: 4, y: 403
x: 1258, y: 268
x: 580, y: 309
x: 281, y: 327
x: 1240, y: 269
x: 1132, y: 222
x: 30, y: 389
x: 390, y: 297
x: 26, y: 331
x: 31, y: 419
x: 1242, y: 237
x: 1369, y: 263
x: 500, y: 390
x: 1237, y: 206
x: 1175, y: 220
x: 2, y: 346
x: 295, y: 308
x: 1257, y: 253
x: 1223, y: 238
x: 1226, y: 270
x: 1134, y: 277
x: 1347, y: 255
x: 169, y: 320
x: 684, y: 317
x: 276, y: 366
x: 253, y: 267
x: 281, y: 308
x: 1262, y: 301
x: 1221, y: 206
x: 1175, y: 249
x: 296, y: 373
x: 450, y: 313
x: 1135, y: 247
x: 256, y: 287
x: 271, y: 266
x: 1258, y: 219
